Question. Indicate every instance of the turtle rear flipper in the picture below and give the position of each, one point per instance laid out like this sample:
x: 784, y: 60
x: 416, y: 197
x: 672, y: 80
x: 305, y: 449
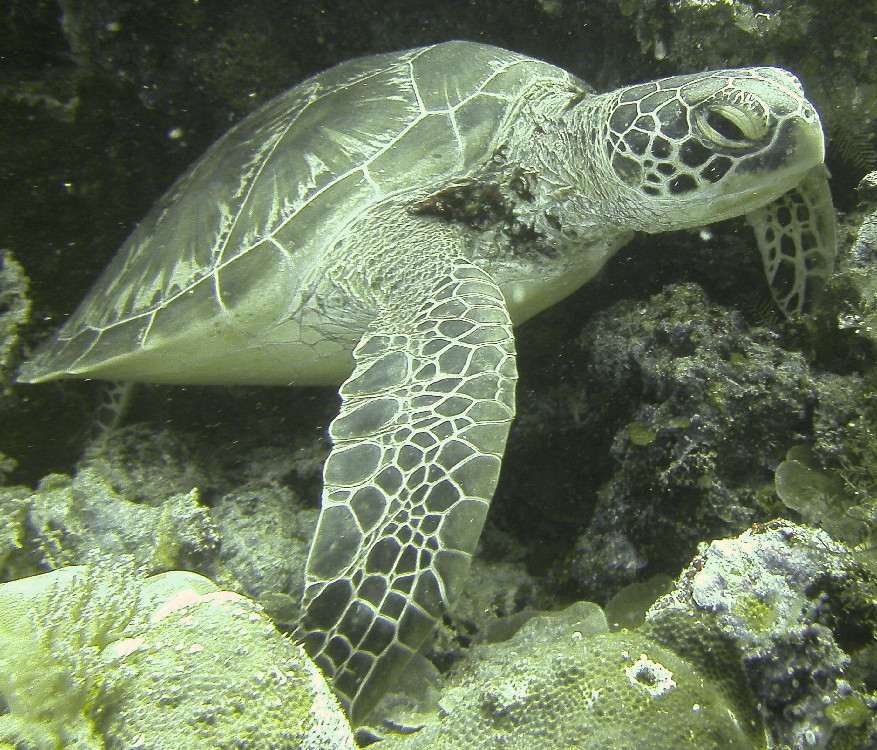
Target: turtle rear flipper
x: 796, y: 235
x: 416, y: 457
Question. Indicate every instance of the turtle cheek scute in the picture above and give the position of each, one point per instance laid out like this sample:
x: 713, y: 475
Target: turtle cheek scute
x: 623, y: 117
x: 639, y: 92
x: 629, y: 170
x: 674, y: 119
x: 716, y: 169
x: 693, y: 153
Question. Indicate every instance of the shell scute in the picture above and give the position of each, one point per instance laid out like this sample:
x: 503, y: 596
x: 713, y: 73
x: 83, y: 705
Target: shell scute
x: 282, y: 186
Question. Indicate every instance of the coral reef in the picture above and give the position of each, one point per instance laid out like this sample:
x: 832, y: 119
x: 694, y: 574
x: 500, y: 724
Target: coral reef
x: 91, y: 655
x: 14, y: 312
x: 142, y: 497
x: 702, y: 406
x: 819, y: 496
x: 854, y: 285
x: 780, y: 595
x: 564, y: 681
x: 754, y: 636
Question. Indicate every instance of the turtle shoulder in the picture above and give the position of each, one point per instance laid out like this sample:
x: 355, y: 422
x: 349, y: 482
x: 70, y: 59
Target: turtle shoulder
x: 240, y: 233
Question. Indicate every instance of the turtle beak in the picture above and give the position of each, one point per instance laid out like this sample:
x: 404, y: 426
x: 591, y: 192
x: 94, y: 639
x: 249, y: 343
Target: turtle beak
x: 760, y: 177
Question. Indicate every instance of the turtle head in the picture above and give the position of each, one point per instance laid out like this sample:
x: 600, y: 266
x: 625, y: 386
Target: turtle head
x: 693, y: 149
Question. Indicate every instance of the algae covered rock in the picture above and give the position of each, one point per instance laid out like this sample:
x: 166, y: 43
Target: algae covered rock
x: 156, y: 496
x: 99, y: 658
x: 822, y: 498
x: 767, y: 641
x: 855, y: 287
x: 14, y: 312
x: 564, y: 681
x: 68, y: 517
x: 781, y: 596
x: 701, y: 406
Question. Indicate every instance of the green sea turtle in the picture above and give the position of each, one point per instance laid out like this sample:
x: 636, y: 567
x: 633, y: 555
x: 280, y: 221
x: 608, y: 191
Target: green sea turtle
x: 383, y: 225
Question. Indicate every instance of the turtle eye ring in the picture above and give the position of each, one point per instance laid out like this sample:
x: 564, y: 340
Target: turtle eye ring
x: 730, y: 126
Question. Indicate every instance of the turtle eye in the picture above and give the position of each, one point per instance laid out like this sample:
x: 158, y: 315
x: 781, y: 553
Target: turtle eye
x: 730, y: 126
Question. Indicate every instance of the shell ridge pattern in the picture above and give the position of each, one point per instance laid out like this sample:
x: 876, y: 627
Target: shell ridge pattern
x: 264, y: 157
x: 392, y: 143
x: 315, y: 164
x: 227, y: 222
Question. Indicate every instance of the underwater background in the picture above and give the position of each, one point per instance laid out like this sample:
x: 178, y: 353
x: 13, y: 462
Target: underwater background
x: 662, y: 406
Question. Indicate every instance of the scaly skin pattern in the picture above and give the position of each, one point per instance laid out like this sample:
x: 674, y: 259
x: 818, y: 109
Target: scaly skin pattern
x: 382, y: 226
x: 796, y: 236
x: 417, y: 450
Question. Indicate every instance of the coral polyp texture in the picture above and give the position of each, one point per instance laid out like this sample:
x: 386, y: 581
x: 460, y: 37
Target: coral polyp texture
x: 97, y: 658
x: 564, y: 681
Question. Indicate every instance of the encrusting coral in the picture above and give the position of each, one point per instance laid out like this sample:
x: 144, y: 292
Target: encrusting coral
x: 93, y: 656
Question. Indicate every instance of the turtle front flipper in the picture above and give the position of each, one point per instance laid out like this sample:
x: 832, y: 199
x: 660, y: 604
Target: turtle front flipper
x: 417, y: 450
x: 797, y: 238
